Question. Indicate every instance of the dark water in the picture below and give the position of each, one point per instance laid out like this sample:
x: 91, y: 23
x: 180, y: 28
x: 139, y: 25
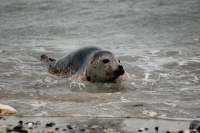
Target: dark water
x: 157, y: 42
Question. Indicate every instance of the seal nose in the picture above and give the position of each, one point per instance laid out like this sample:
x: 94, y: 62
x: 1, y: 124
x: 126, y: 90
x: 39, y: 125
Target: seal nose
x: 120, y: 67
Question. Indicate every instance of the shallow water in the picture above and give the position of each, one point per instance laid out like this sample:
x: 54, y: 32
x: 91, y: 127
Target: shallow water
x: 157, y: 42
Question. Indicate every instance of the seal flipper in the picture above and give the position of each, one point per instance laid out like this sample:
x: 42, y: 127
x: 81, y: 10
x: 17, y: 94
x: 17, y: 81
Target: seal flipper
x: 45, y: 58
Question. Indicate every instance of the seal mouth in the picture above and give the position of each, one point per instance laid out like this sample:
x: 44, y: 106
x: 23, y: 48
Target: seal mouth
x: 119, y: 71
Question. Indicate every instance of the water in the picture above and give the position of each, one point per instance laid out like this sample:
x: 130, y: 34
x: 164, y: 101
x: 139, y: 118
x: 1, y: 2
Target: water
x: 157, y: 42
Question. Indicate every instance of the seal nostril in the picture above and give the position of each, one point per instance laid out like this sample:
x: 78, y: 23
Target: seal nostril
x: 120, y: 70
x: 120, y: 67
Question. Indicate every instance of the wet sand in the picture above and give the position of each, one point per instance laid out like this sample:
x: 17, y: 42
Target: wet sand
x: 94, y: 124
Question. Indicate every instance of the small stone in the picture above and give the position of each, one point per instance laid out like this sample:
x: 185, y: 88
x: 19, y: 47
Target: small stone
x: 21, y: 131
x: 180, y: 131
x: 30, y: 128
x: 30, y: 123
x: 69, y: 127
x: 82, y: 129
x: 52, y: 123
x: 9, y: 130
x: 56, y: 128
x: 4, y: 127
x: 195, y: 124
x: 142, y: 129
x: 146, y: 128
x: 48, y: 125
x: 194, y: 131
x: 109, y: 130
x: 38, y: 123
x: 64, y: 129
x: 139, y: 130
x: 49, y: 131
x: 2, y: 118
x: 156, y: 128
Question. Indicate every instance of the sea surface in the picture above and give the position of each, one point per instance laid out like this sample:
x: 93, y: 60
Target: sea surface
x: 157, y: 41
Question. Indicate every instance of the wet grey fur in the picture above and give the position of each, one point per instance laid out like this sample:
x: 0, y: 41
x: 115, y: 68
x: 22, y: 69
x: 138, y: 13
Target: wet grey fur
x: 74, y: 62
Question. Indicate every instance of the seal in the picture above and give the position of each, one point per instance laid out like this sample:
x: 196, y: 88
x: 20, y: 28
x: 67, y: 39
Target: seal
x: 88, y: 64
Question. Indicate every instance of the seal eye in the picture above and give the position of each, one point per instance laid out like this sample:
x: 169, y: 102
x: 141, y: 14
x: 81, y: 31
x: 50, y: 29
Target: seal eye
x: 105, y: 61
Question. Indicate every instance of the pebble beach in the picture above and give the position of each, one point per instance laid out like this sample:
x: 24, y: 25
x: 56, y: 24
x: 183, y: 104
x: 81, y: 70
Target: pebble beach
x: 91, y: 125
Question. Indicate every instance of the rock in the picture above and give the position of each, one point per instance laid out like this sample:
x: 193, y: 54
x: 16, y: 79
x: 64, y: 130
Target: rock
x: 69, y: 127
x: 82, y: 129
x: 195, y: 124
x: 2, y: 118
x: 49, y: 131
x: 6, y: 109
x: 19, y: 127
x: 50, y: 124
x: 156, y: 128
x: 37, y: 123
x: 15, y: 130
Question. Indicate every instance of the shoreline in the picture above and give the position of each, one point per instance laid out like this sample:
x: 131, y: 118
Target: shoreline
x: 97, y: 124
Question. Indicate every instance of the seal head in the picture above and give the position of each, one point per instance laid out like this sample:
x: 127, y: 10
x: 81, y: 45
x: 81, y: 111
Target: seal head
x: 104, y: 67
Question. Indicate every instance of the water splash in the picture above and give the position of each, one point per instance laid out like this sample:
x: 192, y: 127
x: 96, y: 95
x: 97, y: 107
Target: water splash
x: 77, y: 83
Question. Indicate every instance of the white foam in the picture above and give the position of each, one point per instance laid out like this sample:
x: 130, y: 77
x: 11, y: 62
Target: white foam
x: 40, y: 49
x: 154, y: 51
x: 183, y: 89
x: 77, y: 83
x: 43, y: 113
x: 38, y: 104
x: 196, y: 79
x: 146, y: 76
x: 19, y: 67
x: 171, y: 104
x: 124, y: 100
x: 196, y: 39
x: 133, y: 83
x: 7, y: 74
x: 150, y: 113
